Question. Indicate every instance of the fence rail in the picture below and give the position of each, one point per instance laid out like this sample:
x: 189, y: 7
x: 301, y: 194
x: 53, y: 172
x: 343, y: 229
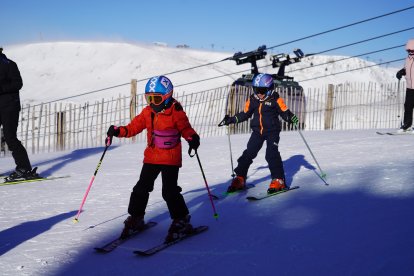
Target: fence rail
x: 62, y: 126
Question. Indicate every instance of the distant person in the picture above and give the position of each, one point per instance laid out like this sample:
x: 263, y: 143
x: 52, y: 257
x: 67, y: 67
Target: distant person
x: 10, y: 84
x: 165, y: 122
x: 408, y: 72
x: 265, y: 106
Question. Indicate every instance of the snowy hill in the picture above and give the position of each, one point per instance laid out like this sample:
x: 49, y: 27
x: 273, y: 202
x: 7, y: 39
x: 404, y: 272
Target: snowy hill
x: 56, y: 70
x: 359, y: 224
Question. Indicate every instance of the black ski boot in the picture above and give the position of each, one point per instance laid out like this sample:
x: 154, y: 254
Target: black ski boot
x: 132, y: 224
x: 405, y: 128
x: 23, y: 174
x: 179, y: 228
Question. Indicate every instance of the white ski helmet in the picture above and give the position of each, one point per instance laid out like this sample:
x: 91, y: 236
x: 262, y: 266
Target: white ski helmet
x: 410, y: 45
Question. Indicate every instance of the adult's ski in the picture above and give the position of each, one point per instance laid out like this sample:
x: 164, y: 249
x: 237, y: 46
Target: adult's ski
x: 162, y: 246
x: 110, y: 246
x: 36, y: 179
x: 395, y: 133
x: 266, y: 195
x: 226, y: 194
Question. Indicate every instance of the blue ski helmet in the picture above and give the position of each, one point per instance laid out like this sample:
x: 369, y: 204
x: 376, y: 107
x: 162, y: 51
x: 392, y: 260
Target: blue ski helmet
x: 263, y: 84
x: 161, y: 85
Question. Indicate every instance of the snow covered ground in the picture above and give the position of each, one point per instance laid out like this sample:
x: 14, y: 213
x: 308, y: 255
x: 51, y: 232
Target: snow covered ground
x: 358, y: 223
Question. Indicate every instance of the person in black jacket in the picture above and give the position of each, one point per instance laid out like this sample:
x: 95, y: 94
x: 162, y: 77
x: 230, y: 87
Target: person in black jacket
x: 265, y: 106
x: 10, y: 84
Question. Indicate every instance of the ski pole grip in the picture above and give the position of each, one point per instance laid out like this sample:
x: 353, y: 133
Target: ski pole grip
x: 189, y: 152
x: 223, y: 122
x: 108, y: 141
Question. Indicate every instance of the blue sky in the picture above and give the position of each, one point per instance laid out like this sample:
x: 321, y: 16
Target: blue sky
x: 226, y: 26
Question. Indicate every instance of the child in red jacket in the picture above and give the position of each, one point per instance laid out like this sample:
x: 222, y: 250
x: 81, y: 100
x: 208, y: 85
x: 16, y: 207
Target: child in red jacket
x: 165, y: 122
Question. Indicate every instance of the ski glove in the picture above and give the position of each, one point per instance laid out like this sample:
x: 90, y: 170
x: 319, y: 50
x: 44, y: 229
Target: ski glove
x: 112, y: 131
x: 194, y: 141
x: 400, y: 73
x: 294, y: 120
x: 227, y: 120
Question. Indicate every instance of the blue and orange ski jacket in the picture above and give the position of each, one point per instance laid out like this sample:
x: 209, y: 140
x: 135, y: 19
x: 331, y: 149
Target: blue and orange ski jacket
x: 265, y: 113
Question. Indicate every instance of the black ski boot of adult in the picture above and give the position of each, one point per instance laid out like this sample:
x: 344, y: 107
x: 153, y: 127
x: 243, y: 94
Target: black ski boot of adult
x: 23, y: 174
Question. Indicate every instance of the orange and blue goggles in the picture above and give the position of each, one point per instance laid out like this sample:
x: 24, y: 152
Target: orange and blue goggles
x: 156, y: 98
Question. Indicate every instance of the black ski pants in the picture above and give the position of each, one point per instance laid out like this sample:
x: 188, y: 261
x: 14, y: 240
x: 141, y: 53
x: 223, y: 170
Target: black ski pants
x: 171, y: 192
x: 9, y: 119
x: 408, y: 107
x: 272, y: 156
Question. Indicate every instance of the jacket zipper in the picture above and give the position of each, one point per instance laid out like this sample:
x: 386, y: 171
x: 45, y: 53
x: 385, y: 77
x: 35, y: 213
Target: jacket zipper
x: 260, y: 118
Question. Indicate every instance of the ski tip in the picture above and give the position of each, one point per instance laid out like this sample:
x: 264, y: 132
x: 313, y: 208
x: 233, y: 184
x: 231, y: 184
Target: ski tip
x: 262, y: 196
x: 162, y: 246
x: 201, y: 228
x: 213, y: 196
x: 151, y: 223
x: 141, y: 253
x: 75, y: 220
x: 252, y: 198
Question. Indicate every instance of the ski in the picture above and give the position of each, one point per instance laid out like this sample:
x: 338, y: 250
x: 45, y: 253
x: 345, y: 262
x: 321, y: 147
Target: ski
x: 36, y: 179
x: 387, y: 133
x: 396, y: 133
x: 160, y: 247
x: 400, y: 133
x: 266, y: 195
x: 226, y: 194
x: 110, y: 246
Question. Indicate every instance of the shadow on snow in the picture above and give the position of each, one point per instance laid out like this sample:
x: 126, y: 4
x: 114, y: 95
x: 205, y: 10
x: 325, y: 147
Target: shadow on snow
x: 59, y: 162
x: 16, y: 235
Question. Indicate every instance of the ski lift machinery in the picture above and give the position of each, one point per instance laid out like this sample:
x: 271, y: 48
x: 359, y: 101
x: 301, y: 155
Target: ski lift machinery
x: 291, y: 91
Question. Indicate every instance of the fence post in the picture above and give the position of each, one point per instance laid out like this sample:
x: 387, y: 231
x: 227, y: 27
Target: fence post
x: 38, y: 127
x: 26, y: 133
x: 33, y: 129
x: 60, y: 130
x: 329, y: 107
x: 133, y: 102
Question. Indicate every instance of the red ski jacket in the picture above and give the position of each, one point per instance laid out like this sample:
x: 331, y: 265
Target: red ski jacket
x: 164, y: 130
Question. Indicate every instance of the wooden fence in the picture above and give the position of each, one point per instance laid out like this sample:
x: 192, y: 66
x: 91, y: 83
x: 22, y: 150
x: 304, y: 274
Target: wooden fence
x: 62, y: 126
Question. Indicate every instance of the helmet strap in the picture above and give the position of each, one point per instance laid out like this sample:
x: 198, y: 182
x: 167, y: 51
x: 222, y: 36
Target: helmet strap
x: 158, y: 108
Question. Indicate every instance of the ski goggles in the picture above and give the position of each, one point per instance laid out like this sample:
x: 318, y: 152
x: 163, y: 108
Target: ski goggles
x: 156, y: 98
x: 260, y: 90
x: 410, y: 52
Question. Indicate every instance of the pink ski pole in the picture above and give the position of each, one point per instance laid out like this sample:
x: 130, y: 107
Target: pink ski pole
x: 107, y: 144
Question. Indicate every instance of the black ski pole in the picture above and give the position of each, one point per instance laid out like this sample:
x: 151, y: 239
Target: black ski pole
x: 231, y: 153
x: 205, y: 181
x: 322, y: 174
x: 398, y: 100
